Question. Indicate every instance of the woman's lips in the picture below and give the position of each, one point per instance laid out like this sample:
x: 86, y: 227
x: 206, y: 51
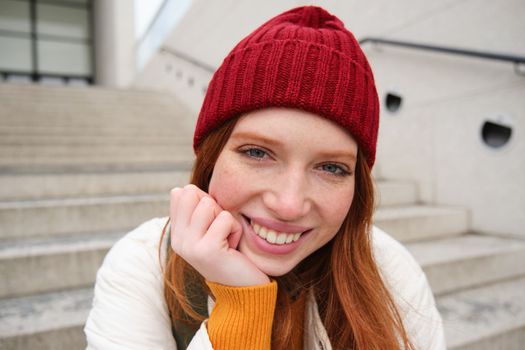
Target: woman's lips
x: 275, y: 246
x: 277, y: 226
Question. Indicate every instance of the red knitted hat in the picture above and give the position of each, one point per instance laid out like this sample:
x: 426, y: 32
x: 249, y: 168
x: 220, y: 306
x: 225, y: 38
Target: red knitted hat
x: 303, y: 58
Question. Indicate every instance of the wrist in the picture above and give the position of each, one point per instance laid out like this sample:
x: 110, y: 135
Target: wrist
x: 255, y: 278
x: 242, y: 317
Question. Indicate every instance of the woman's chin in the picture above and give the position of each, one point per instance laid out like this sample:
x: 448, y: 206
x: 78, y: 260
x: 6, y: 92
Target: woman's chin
x: 274, y: 272
x: 270, y: 267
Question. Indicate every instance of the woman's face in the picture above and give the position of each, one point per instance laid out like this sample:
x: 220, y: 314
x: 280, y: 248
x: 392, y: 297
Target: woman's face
x: 288, y: 177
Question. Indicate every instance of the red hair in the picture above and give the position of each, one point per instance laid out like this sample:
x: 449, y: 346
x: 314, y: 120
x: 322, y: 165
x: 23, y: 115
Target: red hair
x: 355, y: 306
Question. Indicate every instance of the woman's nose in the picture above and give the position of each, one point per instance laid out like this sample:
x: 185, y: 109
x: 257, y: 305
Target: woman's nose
x: 287, y: 196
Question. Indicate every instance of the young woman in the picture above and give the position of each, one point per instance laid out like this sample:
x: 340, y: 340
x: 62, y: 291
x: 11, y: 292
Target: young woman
x: 272, y: 245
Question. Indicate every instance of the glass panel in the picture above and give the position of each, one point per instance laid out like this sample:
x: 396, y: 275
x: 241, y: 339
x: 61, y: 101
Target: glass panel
x: 16, y: 54
x: 14, y: 16
x: 68, y: 22
x: 64, y: 58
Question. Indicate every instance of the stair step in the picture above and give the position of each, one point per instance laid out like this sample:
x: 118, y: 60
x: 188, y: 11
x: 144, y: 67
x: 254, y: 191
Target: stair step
x: 25, y: 219
x: 85, y: 167
x: 96, y: 97
x: 57, y: 183
x: 490, y: 317
x: 105, y: 127
x: 88, y: 139
x: 467, y: 261
x: 120, y: 213
x: 390, y: 193
x: 421, y: 222
x: 93, y: 150
x: 486, y: 318
x: 10, y: 155
x: 110, y: 111
x: 34, y: 91
x: 100, y: 130
x: 82, y: 184
x: 45, y: 321
x: 450, y: 264
x: 66, y: 185
x: 43, y: 265
x: 12, y: 163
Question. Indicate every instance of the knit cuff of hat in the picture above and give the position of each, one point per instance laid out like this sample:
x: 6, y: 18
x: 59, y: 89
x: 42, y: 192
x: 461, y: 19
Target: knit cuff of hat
x: 242, y: 317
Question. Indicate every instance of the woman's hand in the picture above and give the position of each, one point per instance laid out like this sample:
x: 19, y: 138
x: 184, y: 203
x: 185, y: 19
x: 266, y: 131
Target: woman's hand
x: 206, y: 236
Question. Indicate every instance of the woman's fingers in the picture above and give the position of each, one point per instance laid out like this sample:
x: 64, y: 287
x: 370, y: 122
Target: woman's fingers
x: 203, y: 215
x: 175, y: 194
x: 235, y: 235
x: 182, y: 205
x: 191, y: 213
x: 188, y: 200
x: 224, y: 229
x: 207, y: 238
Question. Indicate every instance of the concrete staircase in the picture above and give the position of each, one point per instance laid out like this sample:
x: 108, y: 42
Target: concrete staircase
x: 80, y: 167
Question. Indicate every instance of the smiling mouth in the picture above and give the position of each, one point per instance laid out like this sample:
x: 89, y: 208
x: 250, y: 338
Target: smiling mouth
x: 272, y: 236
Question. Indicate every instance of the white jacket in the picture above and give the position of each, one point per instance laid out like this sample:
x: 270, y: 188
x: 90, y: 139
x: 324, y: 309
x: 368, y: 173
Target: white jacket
x: 129, y: 311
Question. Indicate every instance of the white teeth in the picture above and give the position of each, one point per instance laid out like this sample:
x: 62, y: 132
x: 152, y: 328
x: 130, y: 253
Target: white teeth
x: 271, y: 237
x: 274, y: 237
x: 263, y: 232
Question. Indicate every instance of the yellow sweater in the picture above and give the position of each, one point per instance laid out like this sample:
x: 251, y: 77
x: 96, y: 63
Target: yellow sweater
x: 243, y: 316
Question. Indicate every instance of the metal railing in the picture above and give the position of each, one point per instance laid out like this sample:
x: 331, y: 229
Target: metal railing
x: 518, y: 61
x: 514, y: 59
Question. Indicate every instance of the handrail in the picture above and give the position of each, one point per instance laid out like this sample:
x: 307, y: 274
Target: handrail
x: 517, y: 60
x: 187, y: 58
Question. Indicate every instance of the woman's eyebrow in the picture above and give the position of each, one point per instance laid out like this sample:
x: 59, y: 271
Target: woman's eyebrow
x: 256, y: 137
x: 252, y: 136
x: 338, y: 154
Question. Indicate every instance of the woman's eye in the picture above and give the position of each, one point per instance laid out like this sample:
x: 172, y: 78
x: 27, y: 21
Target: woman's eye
x: 335, y: 169
x: 255, y: 153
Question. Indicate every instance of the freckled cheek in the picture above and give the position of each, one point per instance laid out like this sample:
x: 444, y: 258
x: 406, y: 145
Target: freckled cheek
x: 229, y: 188
x: 336, y: 208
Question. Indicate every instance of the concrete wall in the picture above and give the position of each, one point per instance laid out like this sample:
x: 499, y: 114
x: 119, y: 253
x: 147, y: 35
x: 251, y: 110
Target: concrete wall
x: 435, y: 137
x: 114, y: 43
x: 166, y: 72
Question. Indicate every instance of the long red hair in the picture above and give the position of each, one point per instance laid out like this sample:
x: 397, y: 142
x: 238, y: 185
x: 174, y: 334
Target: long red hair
x: 355, y: 306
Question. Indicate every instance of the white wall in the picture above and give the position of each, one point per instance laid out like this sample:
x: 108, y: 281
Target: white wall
x: 435, y: 138
x: 114, y: 43
x: 166, y: 72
